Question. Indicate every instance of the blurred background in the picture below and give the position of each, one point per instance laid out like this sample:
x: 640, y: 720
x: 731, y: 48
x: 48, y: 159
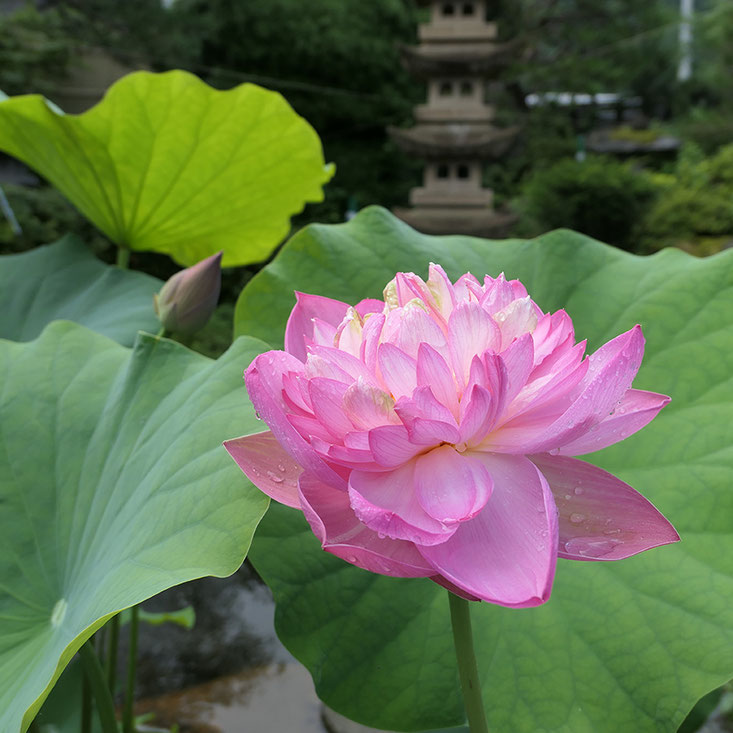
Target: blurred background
x: 624, y: 109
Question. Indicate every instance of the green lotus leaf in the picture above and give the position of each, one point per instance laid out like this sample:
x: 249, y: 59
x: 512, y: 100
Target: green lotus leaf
x: 166, y: 163
x: 113, y: 487
x: 65, y: 281
x: 61, y: 712
x: 623, y: 646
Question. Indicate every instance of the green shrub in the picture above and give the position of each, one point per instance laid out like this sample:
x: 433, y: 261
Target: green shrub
x: 599, y: 197
x: 696, y: 206
x: 710, y: 129
x: 35, y: 53
x: 45, y: 216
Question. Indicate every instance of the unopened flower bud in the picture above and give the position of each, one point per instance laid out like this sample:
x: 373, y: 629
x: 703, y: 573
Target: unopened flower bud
x: 187, y: 300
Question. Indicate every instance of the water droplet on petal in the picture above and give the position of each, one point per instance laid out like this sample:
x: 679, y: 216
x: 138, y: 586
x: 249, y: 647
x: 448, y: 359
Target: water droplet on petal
x: 350, y: 558
x: 554, y: 451
x: 257, y: 415
x: 612, y: 531
x: 274, y: 477
x: 281, y: 468
x: 578, y: 491
x: 576, y: 518
x: 568, y: 497
x: 591, y: 547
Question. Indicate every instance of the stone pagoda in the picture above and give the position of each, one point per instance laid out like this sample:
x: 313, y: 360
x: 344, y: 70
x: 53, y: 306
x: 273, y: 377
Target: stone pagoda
x: 458, y: 55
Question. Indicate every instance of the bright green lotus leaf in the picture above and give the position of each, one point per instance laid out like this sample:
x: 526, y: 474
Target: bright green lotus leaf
x: 113, y: 487
x: 166, y: 163
x: 65, y: 281
x: 624, y: 646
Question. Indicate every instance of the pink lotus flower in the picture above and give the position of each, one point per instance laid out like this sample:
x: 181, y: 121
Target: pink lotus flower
x: 429, y: 435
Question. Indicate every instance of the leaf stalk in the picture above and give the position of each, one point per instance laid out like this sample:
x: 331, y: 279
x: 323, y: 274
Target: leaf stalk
x: 460, y: 616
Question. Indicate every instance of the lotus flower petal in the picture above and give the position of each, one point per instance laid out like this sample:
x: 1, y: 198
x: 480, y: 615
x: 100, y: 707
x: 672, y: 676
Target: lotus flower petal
x: 433, y: 371
x: 635, y: 410
x: 342, y: 534
x: 430, y: 433
x: 299, y: 329
x: 610, y: 373
x: 601, y: 517
x: 507, y: 553
x: 380, y: 501
x: 436, y: 475
x: 264, y: 385
x: 267, y: 466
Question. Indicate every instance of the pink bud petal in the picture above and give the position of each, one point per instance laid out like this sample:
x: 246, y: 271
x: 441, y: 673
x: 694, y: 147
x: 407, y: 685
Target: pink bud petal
x: 188, y: 299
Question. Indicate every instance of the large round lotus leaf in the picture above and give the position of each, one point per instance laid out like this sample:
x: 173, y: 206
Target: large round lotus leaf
x: 113, y: 487
x: 65, y: 281
x: 166, y: 163
x: 624, y: 646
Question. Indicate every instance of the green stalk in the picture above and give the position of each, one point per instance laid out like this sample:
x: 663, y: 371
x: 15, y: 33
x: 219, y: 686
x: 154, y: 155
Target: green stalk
x: 94, y: 673
x: 111, y: 661
x: 86, y: 705
x: 460, y: 616
x: 128, y: 720
x: 100, y: 644
x: 123, y: 257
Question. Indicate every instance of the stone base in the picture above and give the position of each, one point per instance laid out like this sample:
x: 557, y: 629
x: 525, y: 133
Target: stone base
x: 451, y: 197
x: 454, y: 220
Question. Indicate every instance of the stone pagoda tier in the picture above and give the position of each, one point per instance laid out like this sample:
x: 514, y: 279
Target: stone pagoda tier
x: 454, y: 131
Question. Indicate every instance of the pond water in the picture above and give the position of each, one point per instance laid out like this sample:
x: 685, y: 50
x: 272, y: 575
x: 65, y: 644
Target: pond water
x: 230, y: 674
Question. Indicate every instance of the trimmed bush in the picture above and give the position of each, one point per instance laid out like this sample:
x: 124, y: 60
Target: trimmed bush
x: 599, y: 197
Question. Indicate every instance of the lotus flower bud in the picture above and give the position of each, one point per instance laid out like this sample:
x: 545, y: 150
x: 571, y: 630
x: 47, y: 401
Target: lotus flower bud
x: 187, y: 300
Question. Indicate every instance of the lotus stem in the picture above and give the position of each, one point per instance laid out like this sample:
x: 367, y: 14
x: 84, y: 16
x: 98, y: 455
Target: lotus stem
x: 97, y: 682
x: 123, y: 257
x: 460, y: 616
x: 86, y: 705
x: 111, y: 661
x: 128, y: 721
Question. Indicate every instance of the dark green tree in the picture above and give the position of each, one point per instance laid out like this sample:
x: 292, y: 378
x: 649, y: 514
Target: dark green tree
x: 591, y: 46
x: 35, y: 51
